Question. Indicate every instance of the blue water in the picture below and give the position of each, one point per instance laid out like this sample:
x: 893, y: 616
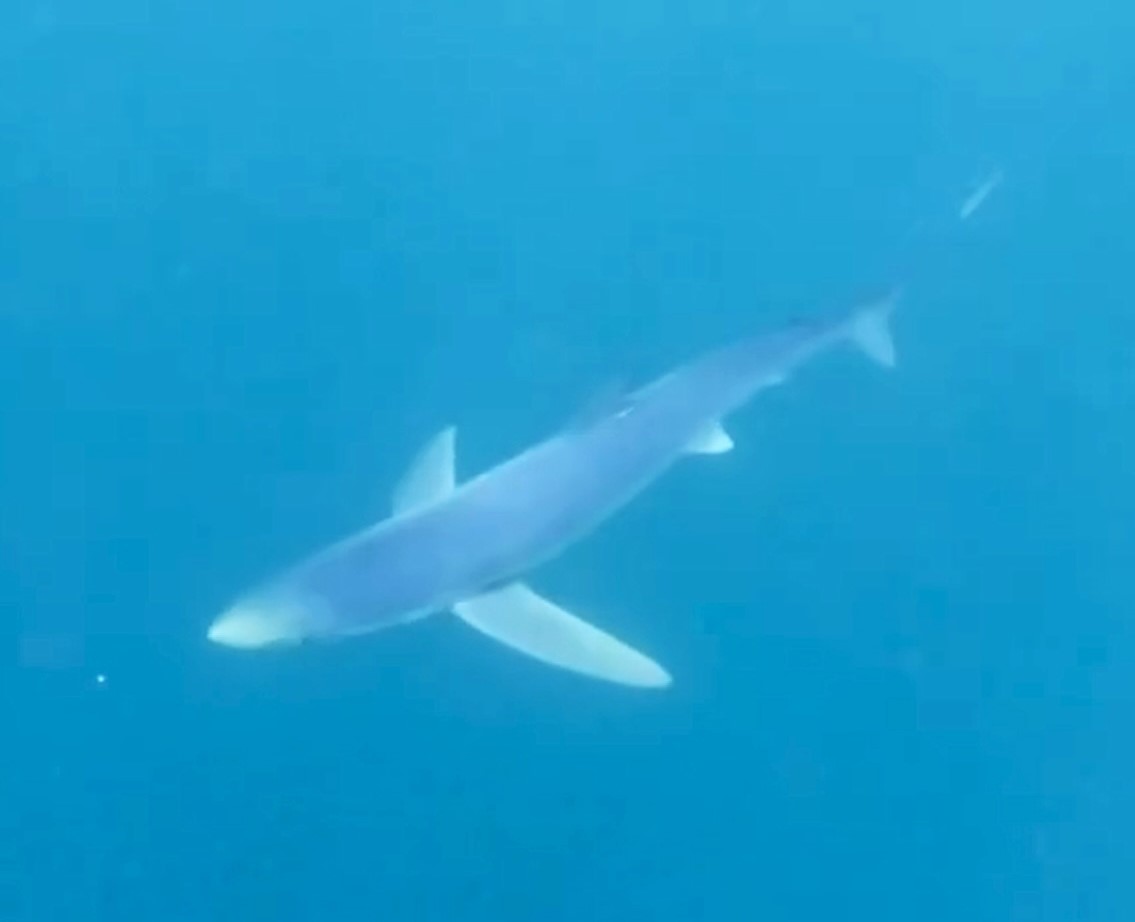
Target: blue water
x: 252, y: 255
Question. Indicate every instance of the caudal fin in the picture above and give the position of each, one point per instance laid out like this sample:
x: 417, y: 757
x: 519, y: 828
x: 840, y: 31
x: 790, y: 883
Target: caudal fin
x: 870, y: 330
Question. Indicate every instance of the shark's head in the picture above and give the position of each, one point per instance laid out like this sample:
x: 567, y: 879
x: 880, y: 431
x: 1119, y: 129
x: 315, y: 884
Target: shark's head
x: 254, y: 624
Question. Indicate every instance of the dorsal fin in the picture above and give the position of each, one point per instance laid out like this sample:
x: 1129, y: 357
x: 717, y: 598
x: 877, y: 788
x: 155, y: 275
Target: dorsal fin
x: 430, y: 476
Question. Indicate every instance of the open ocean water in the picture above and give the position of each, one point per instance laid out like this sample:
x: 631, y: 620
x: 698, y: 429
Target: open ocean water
x: 252, y: 255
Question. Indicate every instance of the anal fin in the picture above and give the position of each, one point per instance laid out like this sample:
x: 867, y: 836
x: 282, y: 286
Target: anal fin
x: 519, y: 618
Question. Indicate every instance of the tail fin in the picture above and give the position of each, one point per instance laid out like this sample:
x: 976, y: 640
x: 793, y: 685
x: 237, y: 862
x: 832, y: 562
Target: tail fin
x: 870, y: 330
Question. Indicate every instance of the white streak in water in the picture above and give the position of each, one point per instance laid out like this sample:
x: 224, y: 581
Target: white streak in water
x: 977, y: 198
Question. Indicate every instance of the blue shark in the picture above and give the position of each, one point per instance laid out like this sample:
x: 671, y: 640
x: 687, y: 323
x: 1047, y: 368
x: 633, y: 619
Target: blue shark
x: 465, y: 549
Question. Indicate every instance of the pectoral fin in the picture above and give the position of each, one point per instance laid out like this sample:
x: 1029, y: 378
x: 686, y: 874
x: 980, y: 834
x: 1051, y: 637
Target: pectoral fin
x: 430, y: 477
x: 519, y: 618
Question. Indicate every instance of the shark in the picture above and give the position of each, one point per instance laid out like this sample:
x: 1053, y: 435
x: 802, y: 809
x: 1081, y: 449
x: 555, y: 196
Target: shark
x: 465, y: 549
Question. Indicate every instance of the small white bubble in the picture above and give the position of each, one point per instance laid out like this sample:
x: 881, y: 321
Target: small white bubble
x: 100, y: 679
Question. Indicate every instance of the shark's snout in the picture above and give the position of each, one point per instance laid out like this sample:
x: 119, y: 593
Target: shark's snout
x: 252, y: 627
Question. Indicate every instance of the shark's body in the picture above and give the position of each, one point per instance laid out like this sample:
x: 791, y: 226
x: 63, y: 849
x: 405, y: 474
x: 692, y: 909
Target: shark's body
x: 462, y: 548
